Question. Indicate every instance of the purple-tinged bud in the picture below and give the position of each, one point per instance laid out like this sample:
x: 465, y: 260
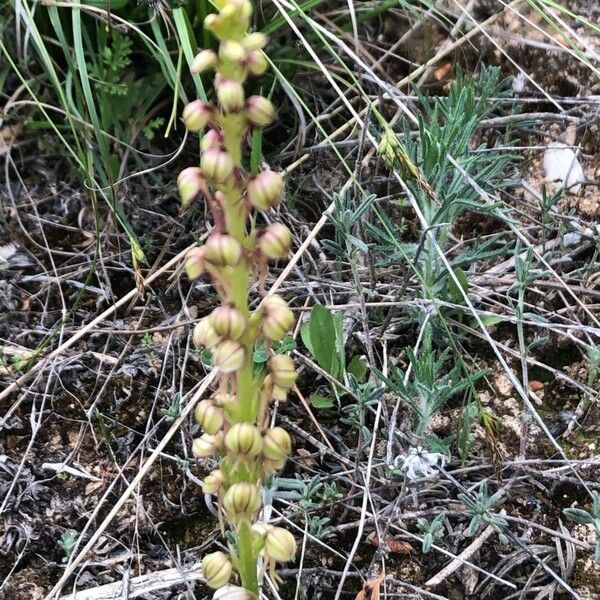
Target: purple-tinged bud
x: 256, y: 63
x: 277, y: 444
x: 232, y: 592
x: 216, y: 164
x: 217, y: 569
x: 244, y: 440
x: 229, y: 356
x: 204, y: 334
x: 203, y: 61
x: 278, y: 319
x: 241, y: 500
x: 228, y: 322
x: 190, y: 183
x: 254, y: 41
x: 230, y: 94
x: 194, y: 263
x: 259, y: 111
x: 265, y: 190
x: 232, y: 51
x: 280, y: 545
x: 282, y: 371
x: 209, y: 417
x: 274, y: 242
x: 197, y: 114
x: 213, y: 482
x: 211, y: 139
x: 206, y: 445
x: 222, y: 250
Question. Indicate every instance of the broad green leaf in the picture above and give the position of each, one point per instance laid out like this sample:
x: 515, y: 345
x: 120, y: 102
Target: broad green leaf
x: 320, y: 401
x: 455, y: 293
x: 322, y: 339
x: 358, y: 369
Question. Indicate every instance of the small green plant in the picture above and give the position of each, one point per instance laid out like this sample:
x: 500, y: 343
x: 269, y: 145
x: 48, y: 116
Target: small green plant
x: 481, y: 512
x: 67, y: 543
x: 241, y: 340
x: 591, y: 517
x: 431, y: 530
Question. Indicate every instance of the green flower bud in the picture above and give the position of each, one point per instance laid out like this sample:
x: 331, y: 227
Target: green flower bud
x: 278, y: 319
x: 228, y: 322
x: 256, y: 63
x: 230, y: 94
x: 232, y: 592
x: 216, y: 164
x: 232, y: 51
x: 196, y: 115
x: 217, y: 569
x: 207, y: 445
x: 254, y: 41
x: 223, y: 399
x: 277, y: 444
x: 203, y: 61
x: 222, y: 250
x: 265, y: 190
x: 259, y: 111
x: 241, y: 500
x: 209, y: 416
x: 244, y: 439
x: 280, y: 545
x: 213, y: 482
x: 211, y: 139
x: 282, y: 370
x: 194, y: 263
x: 229, y: 356
x: 204, y: 334
x: 274, y: 242
x: 190, y: 183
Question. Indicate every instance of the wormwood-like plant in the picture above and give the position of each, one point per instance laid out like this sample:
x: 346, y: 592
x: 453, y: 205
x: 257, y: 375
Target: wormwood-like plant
x: 235, y: 418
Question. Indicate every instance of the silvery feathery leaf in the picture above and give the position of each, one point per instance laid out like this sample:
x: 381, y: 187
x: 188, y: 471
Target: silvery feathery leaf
x: 420, y: 463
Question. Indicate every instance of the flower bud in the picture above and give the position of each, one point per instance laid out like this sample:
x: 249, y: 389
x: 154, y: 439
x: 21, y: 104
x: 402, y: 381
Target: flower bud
x: 232, y: 592
x: 254, y: 41
x: 217, y: 569
x: 213, y: 482
x: 275, y: 392
x: 222, y: 250
x: 256, y: 63
x: 206, y: 445
x: 204, y: 334
x: 265, y: 190
x: 232, y: 51
x: 203, y: 61
x: 278, y: 319
x: 230, y: 94
x: 259, y: 111
x: 274, y: 242
x: 277, y: 444
x: 280, y: 545
x: 216, y: 164
x: 209, y: 416
x: 196, y: 115
x: 223, y: 399
x: 242, y: 499
x: 194, y: 263
x: 260, y: 529
x: 228, y: 322
x: 190, y: 183
x: 211, y: 139
x: 244, y: 439
x: 229, y: 356
x: 282, y: 370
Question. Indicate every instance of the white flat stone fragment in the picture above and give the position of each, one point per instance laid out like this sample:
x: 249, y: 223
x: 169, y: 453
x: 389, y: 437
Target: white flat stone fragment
x: 562, y: 167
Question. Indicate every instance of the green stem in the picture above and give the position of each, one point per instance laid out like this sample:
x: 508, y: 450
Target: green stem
x: 247, y: 557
